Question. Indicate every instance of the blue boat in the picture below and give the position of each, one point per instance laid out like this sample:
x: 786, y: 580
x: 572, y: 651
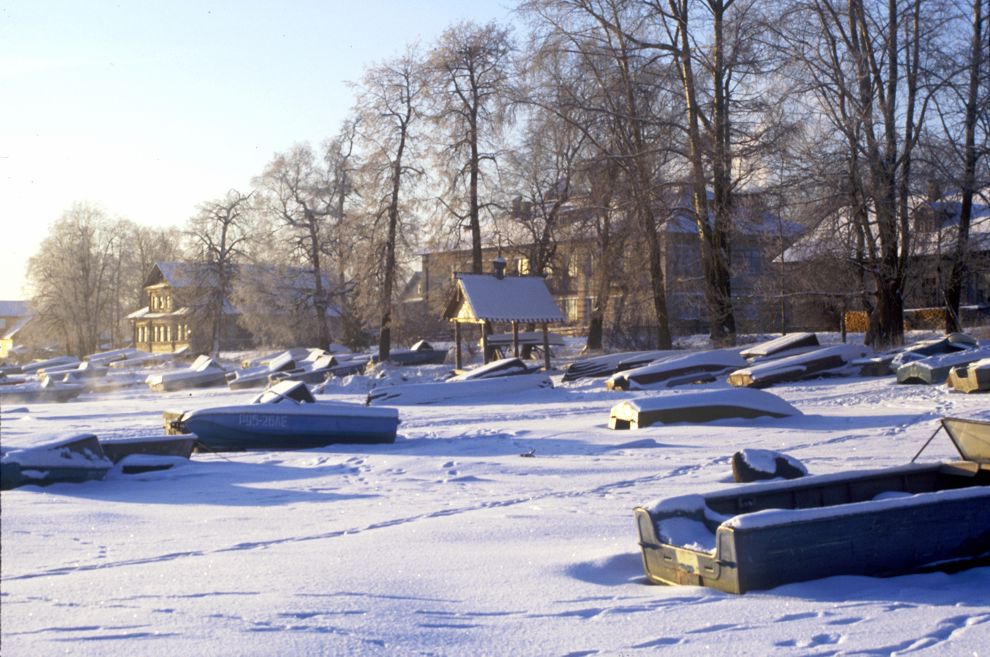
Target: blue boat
x: 73, y: 459
x: 287, y: 416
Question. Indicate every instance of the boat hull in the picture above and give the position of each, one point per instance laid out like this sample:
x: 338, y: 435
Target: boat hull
x: 75, y: 460
x: 116, y: 450
x: 818, y: 527
x: 244, y: 428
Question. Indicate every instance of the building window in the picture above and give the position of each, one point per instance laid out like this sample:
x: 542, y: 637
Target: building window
x: 522, y: 266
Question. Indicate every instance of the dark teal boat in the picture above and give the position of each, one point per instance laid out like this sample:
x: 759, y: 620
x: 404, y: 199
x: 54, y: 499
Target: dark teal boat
x: 72, y: 459
x: 286, y: 416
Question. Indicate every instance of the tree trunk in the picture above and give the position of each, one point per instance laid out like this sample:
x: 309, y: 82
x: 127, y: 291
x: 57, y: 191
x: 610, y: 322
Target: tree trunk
x: 953, y: 289
x: 385, y: 335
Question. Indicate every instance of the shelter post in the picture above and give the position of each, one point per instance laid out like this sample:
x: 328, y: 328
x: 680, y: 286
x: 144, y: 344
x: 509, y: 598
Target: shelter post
x: 515, y: 339
x: 546, y: 348
x: 484, y: 340
x: 457, y: 339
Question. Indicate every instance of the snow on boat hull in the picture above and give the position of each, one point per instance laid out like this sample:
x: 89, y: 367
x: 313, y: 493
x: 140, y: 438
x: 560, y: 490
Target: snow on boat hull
x: 475, y: 391
x: 42, y: 393
x: 813, y: 363
x: 676, y: 370
x: 934, y: 370
x: 71, y: 460
x: 274, y: 426
x: 118, y: 449
x: 698, y: 407
x: 823, y: 526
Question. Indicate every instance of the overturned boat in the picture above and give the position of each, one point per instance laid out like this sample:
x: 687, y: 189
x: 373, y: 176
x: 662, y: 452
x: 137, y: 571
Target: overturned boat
x: 285, y: 416
x: 698, y: 367
x: 257, y: 376
x: 697, y: 407
x: 971, y: 377
x: 511, y: 366
x: 608, y: 364
x: 203, y: 373
x: 816, y: 362
x: 72, y: 459
x: 935, y: 370
x: 484, y: 390
x: 421, y: 353
x: 875, y: 522
x: 786, y: 345
x: 46, y: 390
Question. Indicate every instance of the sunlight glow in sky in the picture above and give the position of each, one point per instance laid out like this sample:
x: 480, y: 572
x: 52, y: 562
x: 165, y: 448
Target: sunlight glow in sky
x: 149, y: 109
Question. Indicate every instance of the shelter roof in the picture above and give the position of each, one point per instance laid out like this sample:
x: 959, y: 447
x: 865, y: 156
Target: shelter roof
x: 485, y: 297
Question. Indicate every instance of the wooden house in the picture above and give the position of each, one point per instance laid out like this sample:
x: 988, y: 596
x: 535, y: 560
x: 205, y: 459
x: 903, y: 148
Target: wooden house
x: 14, y: 317
x: 174, y: 319
x: 179, y: 294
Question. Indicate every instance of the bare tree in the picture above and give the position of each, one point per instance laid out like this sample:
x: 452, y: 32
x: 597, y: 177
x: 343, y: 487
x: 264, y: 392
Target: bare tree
x: 622, y: 89
x: 306, y: 193
x: 218, y: 234
x: 73, y: 278
x: 865, y: 61
x: 469, y: 71
x: 390, y: 104
x: 963, y: 110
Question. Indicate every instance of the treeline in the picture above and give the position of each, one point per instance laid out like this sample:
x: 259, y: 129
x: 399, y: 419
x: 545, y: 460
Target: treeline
x: 618, y: 107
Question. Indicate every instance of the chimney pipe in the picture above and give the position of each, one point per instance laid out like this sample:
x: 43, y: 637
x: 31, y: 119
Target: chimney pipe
x: 498, y: 266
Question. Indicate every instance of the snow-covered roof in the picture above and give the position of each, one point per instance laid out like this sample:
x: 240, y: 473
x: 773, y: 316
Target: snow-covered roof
x: 486, y: 297
x: 835, y: 236
x: 15, y: 308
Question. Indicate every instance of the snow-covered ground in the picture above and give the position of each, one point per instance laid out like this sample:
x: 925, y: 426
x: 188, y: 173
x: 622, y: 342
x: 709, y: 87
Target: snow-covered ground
x: 450, y: 542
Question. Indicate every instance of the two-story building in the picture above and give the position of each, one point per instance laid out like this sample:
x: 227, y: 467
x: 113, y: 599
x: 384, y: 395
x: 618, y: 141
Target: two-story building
x: 758, y: 238
x: 179, y: 297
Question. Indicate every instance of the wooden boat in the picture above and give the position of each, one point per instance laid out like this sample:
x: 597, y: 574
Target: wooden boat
x: 72, y: 459
x: 490, y: 390
x: 286, y: 416
x: 705, y: 406
x: 969, y: 435
x: 47, y: 390
x: 324, y: 367
x: 257, y: 376
x: 948, y: 344
x: 609, y: 364
x: 37, y: 365
x: 497, y: 368
x: 421, y: 353
x: 117, y: 449
x: 874, y: 522
x: 971, y: 377
x: 809, y: 364
x: 701, y: 366
x: 934, y: 370
x: 203, y: 373
x: 785, y: 345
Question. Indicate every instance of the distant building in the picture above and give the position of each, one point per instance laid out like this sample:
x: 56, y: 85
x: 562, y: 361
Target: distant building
x: 825, y: 281
x: 177, y: 314
x: 758, y: 238
x: 14, y: 317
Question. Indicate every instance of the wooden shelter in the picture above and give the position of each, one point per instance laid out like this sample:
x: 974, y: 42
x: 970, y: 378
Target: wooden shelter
x: 487, y: 299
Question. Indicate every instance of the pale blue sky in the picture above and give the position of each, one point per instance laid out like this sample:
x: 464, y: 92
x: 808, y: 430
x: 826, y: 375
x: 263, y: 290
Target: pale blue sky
x: 150, y: 108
